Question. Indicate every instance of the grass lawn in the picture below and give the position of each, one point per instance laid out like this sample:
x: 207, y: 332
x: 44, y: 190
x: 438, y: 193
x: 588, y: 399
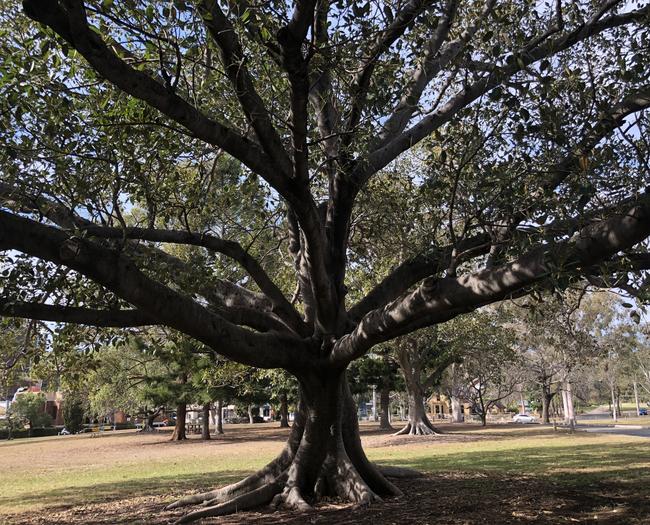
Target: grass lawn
x: 503, y: 474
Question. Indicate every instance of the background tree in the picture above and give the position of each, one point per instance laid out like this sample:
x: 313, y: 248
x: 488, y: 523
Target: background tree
x: 29, y: 408
x: 523, y: 125
x: 423, y: 357
x: 490, y: 377
x: 642, y: 363
x: 487, y: 368
x: 73, y: 412
x: 377, y: 370
x: 119, y: 381
x: 283, y: 391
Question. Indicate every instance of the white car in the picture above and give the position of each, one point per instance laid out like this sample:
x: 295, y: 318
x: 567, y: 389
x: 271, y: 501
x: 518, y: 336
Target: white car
x: 523, y: 418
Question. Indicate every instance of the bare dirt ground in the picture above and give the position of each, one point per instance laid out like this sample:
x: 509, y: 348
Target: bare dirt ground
x: 444, y: 495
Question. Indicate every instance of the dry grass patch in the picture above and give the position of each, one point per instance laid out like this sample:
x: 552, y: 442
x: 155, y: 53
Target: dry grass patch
x: 501, y: 474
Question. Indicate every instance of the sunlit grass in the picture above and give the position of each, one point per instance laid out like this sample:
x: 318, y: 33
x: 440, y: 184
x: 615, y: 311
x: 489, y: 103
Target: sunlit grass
x: 53, y: 472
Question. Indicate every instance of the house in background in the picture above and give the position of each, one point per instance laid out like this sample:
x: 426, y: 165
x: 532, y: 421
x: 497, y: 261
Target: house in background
x: 53, y: 402
x: 440, y: 407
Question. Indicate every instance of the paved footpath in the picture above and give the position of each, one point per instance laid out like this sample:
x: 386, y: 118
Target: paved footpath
x: 623, y: 430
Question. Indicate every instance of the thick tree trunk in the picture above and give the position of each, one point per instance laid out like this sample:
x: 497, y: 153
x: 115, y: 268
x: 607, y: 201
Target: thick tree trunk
x: 384, y: 401
x: 250, y: 414
x: 179, y: 429
x: 220, y: 416
x: 456, y: 414
x: 636, y: 397
x: 614, y: 405
x: 147, y: 425
x: 284, y: 411
x: 567, y: 399
x: 547, y: 396
x: 323, y: 458
x: 418, y: 422
x: 205, y: 430
x: 409, y: 362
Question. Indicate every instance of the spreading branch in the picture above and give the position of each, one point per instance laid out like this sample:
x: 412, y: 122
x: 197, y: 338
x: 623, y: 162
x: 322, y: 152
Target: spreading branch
x: 385, y: 154
x: 116, y: 272
x: 71, y: 24
x: 75, y: 315
x: 438, y: 300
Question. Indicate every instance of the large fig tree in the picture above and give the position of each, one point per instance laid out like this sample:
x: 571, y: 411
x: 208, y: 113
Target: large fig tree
x: 161, y: 160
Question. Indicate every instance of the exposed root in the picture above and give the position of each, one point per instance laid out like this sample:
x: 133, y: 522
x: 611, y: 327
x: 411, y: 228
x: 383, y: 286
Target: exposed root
x: 399, y: 472
x: 422, y: 428
x: 251, y: 483
x: 291, y: 498
x: 257, y: 497
x: 323, y: 458
x: 350, y: 486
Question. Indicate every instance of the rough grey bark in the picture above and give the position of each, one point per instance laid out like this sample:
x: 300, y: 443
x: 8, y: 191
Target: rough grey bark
x: 219, y: 425
x: 205, y: 423
x: 384, y: 402
x: 179, y: 433
x: 284, y: 411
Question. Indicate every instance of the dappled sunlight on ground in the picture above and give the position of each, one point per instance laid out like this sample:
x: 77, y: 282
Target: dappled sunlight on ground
x: 532, y: 473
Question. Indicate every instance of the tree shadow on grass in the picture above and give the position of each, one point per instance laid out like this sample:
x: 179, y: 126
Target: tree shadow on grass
x: 559, y: 462
x: 582, y: 483
x: 445, y: 498
x: 105, y: 492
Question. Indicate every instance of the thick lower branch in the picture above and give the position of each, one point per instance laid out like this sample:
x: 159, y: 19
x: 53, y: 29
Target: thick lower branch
x: 119, y: 274
x: 438, y: 300
x: 71, y: 314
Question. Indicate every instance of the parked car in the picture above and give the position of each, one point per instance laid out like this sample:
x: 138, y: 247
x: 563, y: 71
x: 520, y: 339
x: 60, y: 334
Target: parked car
x: 523, y: 418
x: 643, y: 411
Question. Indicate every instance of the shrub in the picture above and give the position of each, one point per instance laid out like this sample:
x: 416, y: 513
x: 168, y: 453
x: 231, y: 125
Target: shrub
x: 73, y: 413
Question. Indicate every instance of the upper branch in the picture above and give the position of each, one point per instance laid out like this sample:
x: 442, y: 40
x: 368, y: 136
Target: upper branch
x: 291, y: 38
x: 385, y: 39
x: 382, y: 156
x: 68, y: 20
x: 234, y: 62
x: 320, y: 93
x: 436, y: 57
